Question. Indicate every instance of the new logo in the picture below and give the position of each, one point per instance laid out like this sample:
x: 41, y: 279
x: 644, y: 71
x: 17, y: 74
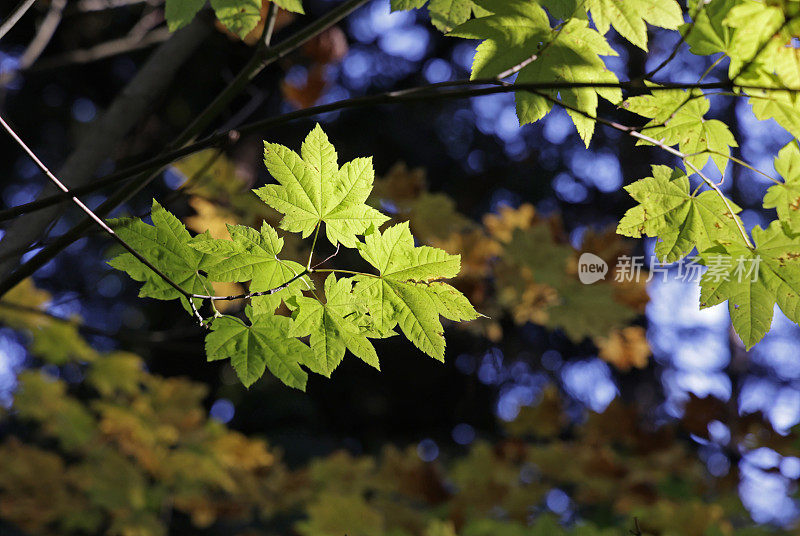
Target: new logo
x: 591, y: 268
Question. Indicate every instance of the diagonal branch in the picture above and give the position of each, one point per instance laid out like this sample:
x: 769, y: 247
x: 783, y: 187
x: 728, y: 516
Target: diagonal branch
x: 267, y: 56
x: 462, y: 89
x: 683, y: 156
x: 99, y: 142
x: 97, y: 220
x: 421, y: 93
x: 17, y: 14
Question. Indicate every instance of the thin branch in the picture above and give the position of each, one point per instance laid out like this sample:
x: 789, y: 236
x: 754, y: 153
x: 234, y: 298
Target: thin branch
x: 737, y: 161
x: 409, y: 95
x: 249, y: 295
x: 329, y: 257
x: 99, y: 221
x: 349, y: 272
x: 313, y: 244
x: 15, y: 15
x: 257, y: 64
x: 421, y: 93
x: 102, y: 51
x: 40, y: 41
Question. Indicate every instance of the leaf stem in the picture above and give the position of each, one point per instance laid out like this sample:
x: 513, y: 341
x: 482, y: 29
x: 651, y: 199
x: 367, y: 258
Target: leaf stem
x: 313, y: 245
x: 351, y: 272
x: 253, y: 294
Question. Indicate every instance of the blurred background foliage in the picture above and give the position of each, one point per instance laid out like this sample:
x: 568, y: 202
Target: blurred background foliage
x: 570, y: 410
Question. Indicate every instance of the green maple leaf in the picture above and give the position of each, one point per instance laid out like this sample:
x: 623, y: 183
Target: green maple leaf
x: 179, y: 13
x: 708, y: 34
x: 406, y: 292
x: 333, y: 326
x: 165, y: 244
x: 754, y: 280
x: 757, y: 36
x: 263, y: 344
x: 754, y: 24
x: 313, y: 189
x: 295, y: 6
x: 785, y: 197
x: 681, y: 220
x: 252, y: 256
x: 629, y: 17
x: 518, y: 30
x: 445, y: 14
x: 782, y: 107
x: 678, y: 119
x: 238, y: 16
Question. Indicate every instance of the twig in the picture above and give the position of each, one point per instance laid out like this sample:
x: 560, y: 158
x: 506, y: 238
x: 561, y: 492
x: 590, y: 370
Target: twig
x: 15, y: 15
x: 421, y: 93
x: 257, y: 64
x: 103, y: 225
x: 40, y: 41
x: 101, y: 51
x: 329, y: 257
x: 249, y: 295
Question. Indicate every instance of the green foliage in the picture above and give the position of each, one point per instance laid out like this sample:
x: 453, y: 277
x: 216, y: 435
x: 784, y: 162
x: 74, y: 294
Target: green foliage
x: 407, y: 293
x: 331, y: 331
x: 682, y: 220
x: 517, y: 36
x: 262, y: 344
x: 166, y: 244
x: 238, y: 16
x: 785, y: 196
x: 754, y: 280
x: 313, y: 192
x: 630, y: 18
x: 678, y: 119
x: 252, y: 256
x: 179, y: 13
x: 557, y: 50
x: 445, y: 14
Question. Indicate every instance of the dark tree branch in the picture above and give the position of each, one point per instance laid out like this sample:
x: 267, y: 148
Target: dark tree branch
x: 124, y: 113
x: 101, y: 51
x: 97, y: 220
x: 422, y: 93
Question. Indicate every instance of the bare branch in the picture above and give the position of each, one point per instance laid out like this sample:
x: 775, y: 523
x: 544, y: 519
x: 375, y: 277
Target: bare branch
x: 96, y: 219
x: 253, y: 294
x: 421, y: 93
x: 99, y: 142
x: 101, y: 51
x: 17, y: 14
x: 40, y: 41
